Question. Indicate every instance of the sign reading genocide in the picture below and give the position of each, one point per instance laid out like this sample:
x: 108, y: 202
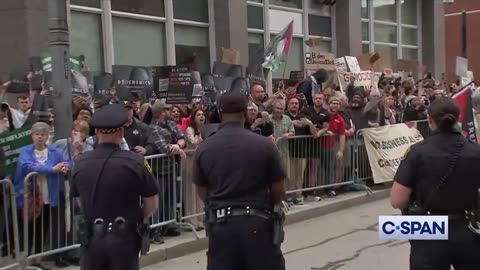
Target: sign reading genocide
x: 367, y: 79
x: 12, y: 143
x: 180, y: 85
x: 386, y: 146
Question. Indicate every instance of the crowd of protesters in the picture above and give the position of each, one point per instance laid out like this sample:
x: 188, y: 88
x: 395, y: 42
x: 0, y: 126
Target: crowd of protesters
x: 312, y: 125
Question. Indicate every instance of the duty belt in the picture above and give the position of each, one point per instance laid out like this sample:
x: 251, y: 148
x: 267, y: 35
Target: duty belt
x: 457, y: 216
x: 221, y: 214
x: 119, y: 225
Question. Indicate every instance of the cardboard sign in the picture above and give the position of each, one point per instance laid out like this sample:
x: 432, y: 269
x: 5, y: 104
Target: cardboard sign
x: 180, y: 85
x: 230, y: 56
x: 317, y: 60
x: 386, y: 146
x: 369, y: 61
x: 407, y: 65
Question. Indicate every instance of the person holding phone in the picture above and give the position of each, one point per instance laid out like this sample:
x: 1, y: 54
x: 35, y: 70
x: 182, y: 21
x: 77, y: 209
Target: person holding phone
x: 75, y: 145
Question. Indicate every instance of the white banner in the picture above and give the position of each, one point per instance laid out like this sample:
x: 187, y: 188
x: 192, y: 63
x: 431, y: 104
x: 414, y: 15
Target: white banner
x: 386, y: 147
x: 368, y: 79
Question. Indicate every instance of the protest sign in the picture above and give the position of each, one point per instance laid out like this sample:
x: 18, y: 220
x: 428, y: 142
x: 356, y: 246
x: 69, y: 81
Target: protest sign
x: 230, y: 56
x: 133, y: 82
x: 227, y: 70
x: 180, y: 85
x: 12, y: 143
x: 82, y: 84
x: 316, y: 60
x: 44, y: 63
x: 347, y: 64
x: 102, y: 84
x: 18, y: 81
x: 461, y: 66
x: 160, y: 80
x: 386, y: 146
x: 366, y: 79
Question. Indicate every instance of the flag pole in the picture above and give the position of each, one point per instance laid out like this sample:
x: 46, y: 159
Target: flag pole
x: 285, y: 67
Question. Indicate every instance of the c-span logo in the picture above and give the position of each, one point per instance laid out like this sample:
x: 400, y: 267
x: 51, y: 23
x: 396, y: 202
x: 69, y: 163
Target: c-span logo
x: 413, y: 227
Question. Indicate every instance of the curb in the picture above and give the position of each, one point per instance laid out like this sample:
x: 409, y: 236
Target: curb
x: 193, y: 246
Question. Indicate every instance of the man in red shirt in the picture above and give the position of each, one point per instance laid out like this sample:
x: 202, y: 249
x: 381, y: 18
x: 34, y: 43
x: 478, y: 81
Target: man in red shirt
x: 336, y: 128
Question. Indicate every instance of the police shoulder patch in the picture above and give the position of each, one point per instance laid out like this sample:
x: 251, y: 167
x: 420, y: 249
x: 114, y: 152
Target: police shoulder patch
x: 147, y: 165
x: 406, y: 152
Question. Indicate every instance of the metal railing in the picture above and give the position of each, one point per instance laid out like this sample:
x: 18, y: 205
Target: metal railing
x: 9, y: 235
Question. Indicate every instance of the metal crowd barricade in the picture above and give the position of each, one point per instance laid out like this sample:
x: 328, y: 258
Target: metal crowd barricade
x: 193, y: 207
x: 165, y: 169
x: 423, y: 127
x: 312, y: 163
x: 48, y: 227
x: 363, y: 171
x: 9, y: 244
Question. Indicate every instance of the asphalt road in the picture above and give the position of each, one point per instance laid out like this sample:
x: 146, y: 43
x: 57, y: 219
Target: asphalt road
x: 347, y: 239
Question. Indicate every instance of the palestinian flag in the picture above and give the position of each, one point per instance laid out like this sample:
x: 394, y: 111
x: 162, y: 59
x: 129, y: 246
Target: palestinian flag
x: 277, y: 50
x: 466, y: 119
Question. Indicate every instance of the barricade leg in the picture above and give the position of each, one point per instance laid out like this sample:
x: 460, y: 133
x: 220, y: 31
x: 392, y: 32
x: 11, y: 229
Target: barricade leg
x: 10, y: 257
x: 361, y: 166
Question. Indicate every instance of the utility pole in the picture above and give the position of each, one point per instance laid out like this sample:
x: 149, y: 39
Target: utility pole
x: 58, y: 39
x: 464, y: 34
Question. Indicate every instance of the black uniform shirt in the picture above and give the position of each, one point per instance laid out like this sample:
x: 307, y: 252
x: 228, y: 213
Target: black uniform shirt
x: 237, y: 166
x: 426, y: 162
x: 133, y: 136
x: 125, y: 178
x: 318, y: 119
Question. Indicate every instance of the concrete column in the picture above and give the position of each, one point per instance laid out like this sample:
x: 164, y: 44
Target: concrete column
x: 348, y: 25
x: 231, y: 27
x: 433, y: 37
x: 24, y: 32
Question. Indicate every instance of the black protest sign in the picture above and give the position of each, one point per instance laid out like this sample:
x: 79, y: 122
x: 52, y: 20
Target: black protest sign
x: 242, y: 85
x: 132, y: 82
x: 256, y: 75
x: 208, y: 86
x: 18, y: 81
x: 160, y: 80
x: 180, y: 85
x: 39, y: 111
x: 227, y: 70
x: 36, y: 65
x: 223, y: 84
x: 102, y: 84
x: 296, y: 76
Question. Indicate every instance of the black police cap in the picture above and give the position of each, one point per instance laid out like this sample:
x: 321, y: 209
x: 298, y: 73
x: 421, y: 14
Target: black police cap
x: 110, y: 118
x: 233, y: 102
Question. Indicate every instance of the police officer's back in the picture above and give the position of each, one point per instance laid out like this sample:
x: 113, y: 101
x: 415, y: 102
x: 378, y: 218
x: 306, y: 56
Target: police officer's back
x: 110, y: 183
x: 439, y: 176
x: 240, y: 176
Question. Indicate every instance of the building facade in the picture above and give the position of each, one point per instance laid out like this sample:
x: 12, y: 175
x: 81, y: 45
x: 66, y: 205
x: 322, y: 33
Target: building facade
x: 454, y: 37
x: 167, y: 32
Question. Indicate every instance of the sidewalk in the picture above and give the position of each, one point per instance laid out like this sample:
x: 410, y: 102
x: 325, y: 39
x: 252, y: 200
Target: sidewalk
x: 186, y: 243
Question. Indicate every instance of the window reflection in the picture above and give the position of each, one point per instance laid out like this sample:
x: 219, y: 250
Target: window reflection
x: 145, y: 7
x: 384, y: 10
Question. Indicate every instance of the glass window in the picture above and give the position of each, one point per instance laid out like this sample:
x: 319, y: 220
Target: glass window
x: 365, y: 48
x: 295, y: 60
x: 320, y: 26
x: 255, y: 45
x: 255, y: 17
x: 326, y: 46
x: 86, y: 38
x: 409, y: 54
x: 257, y: 1
x: 365, y: 31
x: 409, y: 12
x: 384, y: 10
x: 317, y: 8
x: 287, y: 3
x: 146, y: 7
x: 365, y: 13
x: 196, y: 10
x: 388, y: 54
x: 191, y: 44
x: 385, y: 33
x: 409, y: 36
x: 137, y: 42
x: 86, y: 3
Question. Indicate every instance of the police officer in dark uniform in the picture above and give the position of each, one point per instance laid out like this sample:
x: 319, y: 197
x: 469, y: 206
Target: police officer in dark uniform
x: 239, y: 175
x: 440, y: 176
x: 110, y: 183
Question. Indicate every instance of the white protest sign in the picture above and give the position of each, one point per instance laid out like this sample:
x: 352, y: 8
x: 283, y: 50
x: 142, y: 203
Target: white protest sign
x: 353, y: 64
x: 386, y: 147
x: 367, y: 79
x: 341, y: 64
x: 461, y: 67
